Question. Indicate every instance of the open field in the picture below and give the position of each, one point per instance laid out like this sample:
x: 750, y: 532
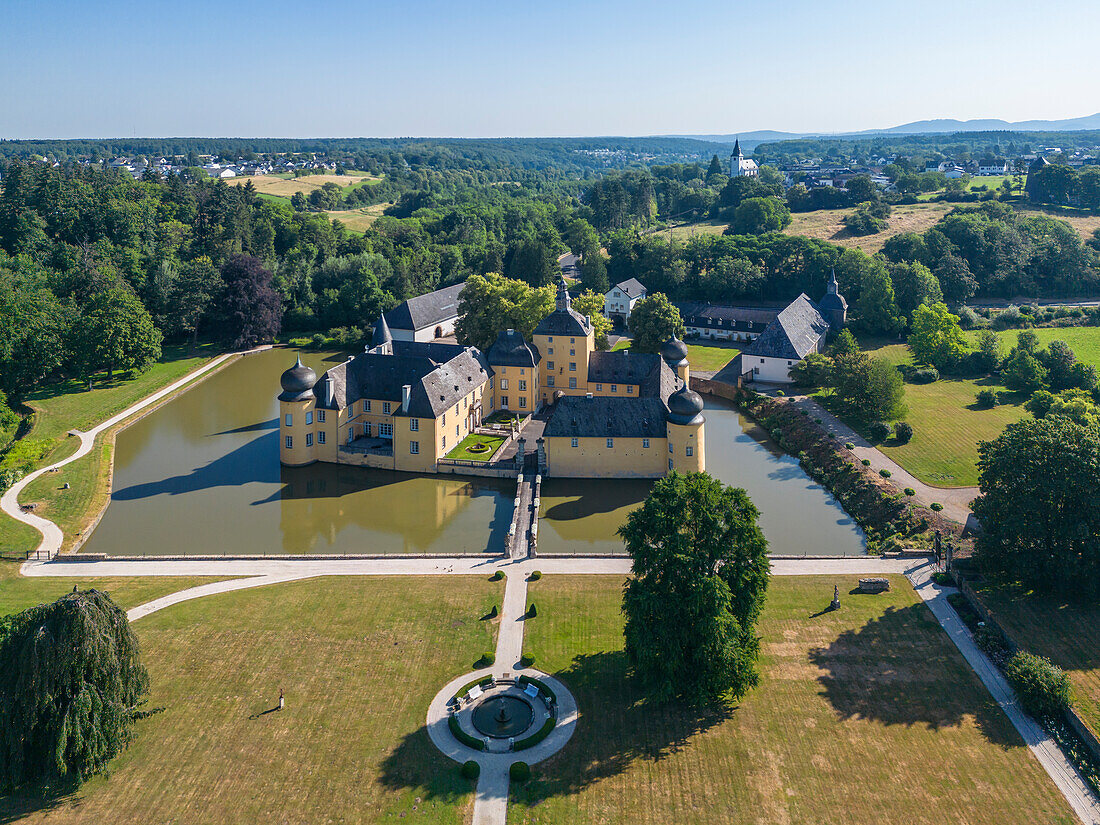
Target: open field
x: 686, y: 230
x: 825, y: 224
x: 947, y: 425
x: 864, y: 715
x: 358, y: 220
x: 1084, y: 341
x: 1067, y: 633
x: 283, y: 187
x: 1084, y: 223
x: 69, y: 405
x: 701, y: 357
x: 359, y: 659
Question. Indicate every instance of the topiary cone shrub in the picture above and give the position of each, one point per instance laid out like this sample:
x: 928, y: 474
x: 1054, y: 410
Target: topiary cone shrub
x: 526, y: 660
x: 519, y: 772
x: 531, y: 611
x: 470, y: 769
x: 497, y: 576
x: 487, y: 659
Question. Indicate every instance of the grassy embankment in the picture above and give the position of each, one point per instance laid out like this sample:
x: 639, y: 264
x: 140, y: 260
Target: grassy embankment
x: 69, y: 405
x: 359, y: 660
x: 866, y: 714
x: 701, y: 357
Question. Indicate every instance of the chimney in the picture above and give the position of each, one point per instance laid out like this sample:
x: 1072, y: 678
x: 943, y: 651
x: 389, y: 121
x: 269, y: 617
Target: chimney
x: 330, y: 390
x: 406, y: 389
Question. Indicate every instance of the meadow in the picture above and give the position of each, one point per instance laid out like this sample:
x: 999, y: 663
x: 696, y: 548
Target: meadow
x: 282, y: 187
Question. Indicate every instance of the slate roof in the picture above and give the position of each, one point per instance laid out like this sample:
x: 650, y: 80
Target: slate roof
x: 632, y: 287
x: 794, y: 333
x: 426, y: 310
x: 603, y: 417
x: 440, y: 374
x: 622, y: 367
x: 563, y: 322
x: 742, y: 318
x: 510, y: 350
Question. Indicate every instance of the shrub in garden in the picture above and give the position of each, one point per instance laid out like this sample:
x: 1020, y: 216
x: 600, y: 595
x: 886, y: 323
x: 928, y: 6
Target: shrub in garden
x: 519, y: 772
x: 909, y: 491
x: 987, y: 399
x: 493, y: 613
x: 879, y: 431
x: 535, y: 575
x: 848, y: 445
x: 866, y: 462
x: 531, y: 612
x: 497, y: 576
x: 903, y: 432
x: 779, y: 394
x: 885, y: 473
x: 470, y: 769
x: 526, y: 660
x: 924, y: 375
x: 935, y: 506
x: 486, y: 660
x: 1043, y: 687
x: 317, y: 341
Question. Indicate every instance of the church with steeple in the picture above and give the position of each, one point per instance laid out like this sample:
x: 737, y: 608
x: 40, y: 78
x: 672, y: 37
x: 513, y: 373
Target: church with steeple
x: 741, y: 166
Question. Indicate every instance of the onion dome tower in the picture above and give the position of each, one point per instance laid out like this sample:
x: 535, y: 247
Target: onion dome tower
x: 296, y: 403
x: 686, y: 437
x: 675, y: 352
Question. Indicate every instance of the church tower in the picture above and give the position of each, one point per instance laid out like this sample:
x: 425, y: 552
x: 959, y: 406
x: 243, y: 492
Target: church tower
x: 833, y: 306
x: 736, y: 158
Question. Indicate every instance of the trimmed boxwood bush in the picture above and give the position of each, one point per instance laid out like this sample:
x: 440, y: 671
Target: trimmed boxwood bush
x: 1043, y: 687
x: 779, y: 393
x: 903, y: 432
x: 520, y: 771
x: 537, y: 736
x: 462, y: 736
x: 935, y: 506
x: 470, y: 769
x: 866, y: 462
x: 885, y: 473
x: 909, y: 491
x: 879, y: 431
x: 532, y: 611
x: 848, y: 445
x: 497, y: 576
x: 535, y: 576
x: 494, y: 612
x: 526, y: 660
x: 487, y: 659
x: 987, y: 398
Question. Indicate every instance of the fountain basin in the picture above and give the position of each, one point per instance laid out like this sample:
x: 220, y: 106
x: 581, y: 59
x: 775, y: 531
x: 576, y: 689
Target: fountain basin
x: 502, y: 716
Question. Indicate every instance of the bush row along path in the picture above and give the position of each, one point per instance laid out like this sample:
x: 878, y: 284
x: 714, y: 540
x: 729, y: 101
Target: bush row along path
x: 493, y: 805
x: 52, y: 536
x: 955, y: 500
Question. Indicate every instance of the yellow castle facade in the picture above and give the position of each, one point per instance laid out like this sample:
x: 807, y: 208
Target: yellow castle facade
x: 405, y: 405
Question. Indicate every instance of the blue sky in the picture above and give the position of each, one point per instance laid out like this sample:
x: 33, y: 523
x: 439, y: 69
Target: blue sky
x: 116, y: 68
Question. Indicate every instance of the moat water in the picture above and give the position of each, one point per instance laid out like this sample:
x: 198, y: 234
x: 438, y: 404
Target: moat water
x: 201, y: 475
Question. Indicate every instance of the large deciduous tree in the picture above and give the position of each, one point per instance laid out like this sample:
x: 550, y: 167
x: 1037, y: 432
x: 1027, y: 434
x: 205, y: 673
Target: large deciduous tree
x: 936, y: 337
x: 250, y: 309
x: 491, y: 303
x: 114, y: 332
x: 1038, y: 507
x: 700, y: 576
x: 871, y: 388
x: 71, y: 678
x: 591, y: 304
x: 653, y: 321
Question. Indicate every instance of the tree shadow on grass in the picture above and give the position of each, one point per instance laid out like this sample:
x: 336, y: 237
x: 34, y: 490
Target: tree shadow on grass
x: 32, y: 799
x: 899, y: 669
x: 417, y: 764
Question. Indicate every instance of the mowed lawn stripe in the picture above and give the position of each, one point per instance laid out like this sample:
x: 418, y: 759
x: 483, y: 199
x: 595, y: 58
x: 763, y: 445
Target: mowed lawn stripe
x: 868, y: 714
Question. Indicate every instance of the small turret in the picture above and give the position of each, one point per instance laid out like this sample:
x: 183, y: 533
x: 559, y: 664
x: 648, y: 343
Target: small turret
x: 563, y: 303
x: 833, y: 306
x: 297, y: 382
x: 674, y: 352
x: 381, y: 341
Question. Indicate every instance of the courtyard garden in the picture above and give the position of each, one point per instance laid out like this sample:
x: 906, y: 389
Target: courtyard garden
x: 359, y: 661
x: 476, y: 447
x: 865, y: 714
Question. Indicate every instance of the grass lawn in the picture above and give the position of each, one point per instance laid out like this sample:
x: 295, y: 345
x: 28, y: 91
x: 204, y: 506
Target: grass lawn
x: 947, y: 425
x: 69, y: 405
x: 20, y: 592
x: 1067, y: 633
x: 359, y: 659
x: 865, y: 715
x: 704, y: 357
x: 1084, y: 341
x: 462, y: 452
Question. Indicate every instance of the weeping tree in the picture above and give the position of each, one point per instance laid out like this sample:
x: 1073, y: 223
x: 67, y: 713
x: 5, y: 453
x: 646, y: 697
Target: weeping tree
x: 700, y: 577
x: 71, y: 679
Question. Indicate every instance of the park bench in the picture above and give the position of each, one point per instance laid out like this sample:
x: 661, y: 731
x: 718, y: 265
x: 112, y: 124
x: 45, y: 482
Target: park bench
x: 531, y: 690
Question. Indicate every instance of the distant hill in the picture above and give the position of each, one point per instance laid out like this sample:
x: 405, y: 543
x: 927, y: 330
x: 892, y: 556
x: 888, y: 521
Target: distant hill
x: 749, y: 140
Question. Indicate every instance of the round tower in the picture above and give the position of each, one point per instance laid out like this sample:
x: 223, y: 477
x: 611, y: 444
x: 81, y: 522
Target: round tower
x: 686, y: 437
x: 296, y: 404
x: 675, y: 352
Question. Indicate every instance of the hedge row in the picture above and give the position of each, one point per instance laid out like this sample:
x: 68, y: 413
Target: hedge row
x: 462, y: 736
x: 537, y: 736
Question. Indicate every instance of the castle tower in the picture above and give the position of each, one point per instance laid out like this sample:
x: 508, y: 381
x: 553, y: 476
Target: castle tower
x: 296, y: 403
x: 675, y: 351
x: 833, y: 306
x: 381, y: 341
x: 686, y: 438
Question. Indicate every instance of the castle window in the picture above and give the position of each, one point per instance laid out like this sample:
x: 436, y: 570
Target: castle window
x: 309, y: 439
x: 670, y: 463
x: 611, y: 442
x: 670, y: 448
x: 456, y: 431
x: 522, y: 385
x: 444, y: 442
x: 504, y: 383
x: 290, y: 442
x: 573, y: 442
x: 599, y: 388
x: 444, y: 419
x: 289, y: 419
x: 385, y: 407
x: 414, y: 448
x: 572, y: 352
x: 549, y: 380
x: 629, y: 389
x: 572, y: 340
x: 614, y: 388
x: 321, y: 437
x: 549, y: 365
x: 522, y: 402
x: 690, y: 451
x: 572, y: 383
x: 550, y: 350
x: 321, y: 416
x: 492, y: 383
x: 309, y: 418
x: 366, y: 406
x: 385, y: 430
x: 572, y: 366
x: 645, y: 442
x: 351, y: 434
x: 549, y: 337
x: 522, y: 371
x: 414, y: 424
x: 504, y: 402
x: 367, y: 430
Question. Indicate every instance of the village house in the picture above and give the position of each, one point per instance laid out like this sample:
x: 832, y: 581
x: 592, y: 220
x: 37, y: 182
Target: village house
x: 619, y: 301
